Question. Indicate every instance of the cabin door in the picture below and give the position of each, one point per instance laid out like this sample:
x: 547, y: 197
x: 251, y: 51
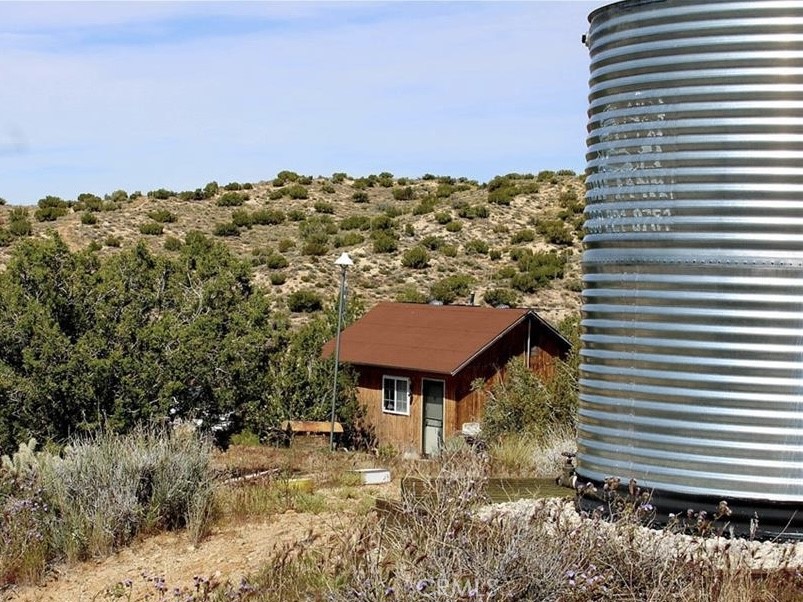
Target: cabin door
x: 433, y: 393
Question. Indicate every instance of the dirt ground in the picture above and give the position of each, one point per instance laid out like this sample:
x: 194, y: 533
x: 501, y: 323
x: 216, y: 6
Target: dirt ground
x: 229, y: 553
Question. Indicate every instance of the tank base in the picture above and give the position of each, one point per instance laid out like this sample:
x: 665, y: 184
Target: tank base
x: 697, y: 514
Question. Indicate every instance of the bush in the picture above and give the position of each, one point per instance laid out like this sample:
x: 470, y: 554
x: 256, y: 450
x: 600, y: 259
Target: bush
x: 231, y: 199
x: 449, y: 289
x: 324, y: 207
x: 416, y: 258
x: 88, y: 219
x: 276, y: 261
x: 6, y: 238
x: 360, y: 197
x: 285, y: 176
x: 444, y: 191
x: 536, y: 270
x: 477, y: 247
x: 315, y: 248
x: 285, y: 244
x: 296, y: 215
x: 449, y: 250
x: 151, y: 228
x: 403, y: 194
x: 356, y: 222
x: 384, y: 242
x: 161, y: 194
x: 211, y: 189
x: 18, y: 223
x: 2, y: 201
x: 233, y: 186
x: 555, y: 232
x: 328, y: 188
x: 545, y: 175
x: 494, y: 254
x: 410, y: 294
x: 50, y: 209
x: 172, y: 244
x: 304, y: 301
x: 525, y: 235
x: 472, y: 211
x: 339, y: 177
x: 278, y: 278
x: 349, y: 239
x: 425, y: 205
x: 501, y: 296
x: 443, y: 217
x: 163, y: 216
x: 113, y: 241
x: 433, y: 243
x: 226, y: 229
x: 297, y: 192
x: 267, y: 217
x: 241, y: 218
x: 275, y: 195
x: 454, y: 226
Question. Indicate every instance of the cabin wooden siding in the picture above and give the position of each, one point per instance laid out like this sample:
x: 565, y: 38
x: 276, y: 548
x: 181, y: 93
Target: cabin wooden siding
x: 461, y: 404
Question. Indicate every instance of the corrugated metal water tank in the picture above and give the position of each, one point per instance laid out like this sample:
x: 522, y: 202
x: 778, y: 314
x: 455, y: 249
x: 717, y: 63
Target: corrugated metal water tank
x: 692, y: 358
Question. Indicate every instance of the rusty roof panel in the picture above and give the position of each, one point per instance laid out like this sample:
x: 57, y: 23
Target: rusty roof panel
x: 432, y: 338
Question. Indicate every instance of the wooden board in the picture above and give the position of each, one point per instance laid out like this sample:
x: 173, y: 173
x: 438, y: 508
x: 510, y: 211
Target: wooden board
x: 310, y: 426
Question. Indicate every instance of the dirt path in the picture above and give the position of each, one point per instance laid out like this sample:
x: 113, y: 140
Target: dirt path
x: 228, y: 554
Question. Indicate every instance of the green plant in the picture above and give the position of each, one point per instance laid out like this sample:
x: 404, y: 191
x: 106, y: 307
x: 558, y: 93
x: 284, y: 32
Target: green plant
x: 172, y: 243
x: 433, y: 243
x: 226, y: 229
x: 278, y: 278
x: 18, y: 223
x: 501, y: 296
x: 113, y: 241
x: 554, y: 231
x: 384, y: 242
x: 285, y: 245
x: 454, y: 226
x: 151, y: 228
x: 410, y: 294
x: 163, y: 216
x: 443, y: 217
x: 327, y: 188
x: 477, y: 247
x: 348, y: 239
x: 161, y: 194
x: 267, y: 217
x: 211, y: 189
x: 521, y: 236
x: 276, y: 261
x: 304, y: 301
x: 231, y: 199
x: 449, y: 250
x: 242, y: 218
x: 355, y: 222
x: 416, y: 258
x: 339, y: 177
x: 324, y: 207
x: 88, y: 219
x: 403, y: 194
x: 296, y: 215
x: 297, y: 191
x: 449, y: 289
x: 50, y: 208
x: 494, y: 254
x: 360, y: 197
x: 315, y: 248
x: 3, y: 201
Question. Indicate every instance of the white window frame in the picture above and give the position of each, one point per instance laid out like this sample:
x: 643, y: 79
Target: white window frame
x: 396, y: 400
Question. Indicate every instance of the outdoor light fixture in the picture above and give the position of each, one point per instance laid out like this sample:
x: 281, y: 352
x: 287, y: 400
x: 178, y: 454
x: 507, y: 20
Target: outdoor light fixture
x: 344, y: 261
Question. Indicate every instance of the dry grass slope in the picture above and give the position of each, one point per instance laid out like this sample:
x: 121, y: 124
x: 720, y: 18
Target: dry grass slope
x: 495, y: 221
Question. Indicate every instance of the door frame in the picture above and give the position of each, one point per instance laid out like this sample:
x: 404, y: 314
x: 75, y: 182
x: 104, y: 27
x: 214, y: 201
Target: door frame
x: 424, y: 412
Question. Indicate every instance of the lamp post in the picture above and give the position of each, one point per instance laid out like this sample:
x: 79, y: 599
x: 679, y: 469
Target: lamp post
x: 344, y: 261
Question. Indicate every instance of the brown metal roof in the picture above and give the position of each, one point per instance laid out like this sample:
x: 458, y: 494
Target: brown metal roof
x: 432, y: 338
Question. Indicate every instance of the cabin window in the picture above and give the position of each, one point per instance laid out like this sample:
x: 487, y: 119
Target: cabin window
x: 396, y: 395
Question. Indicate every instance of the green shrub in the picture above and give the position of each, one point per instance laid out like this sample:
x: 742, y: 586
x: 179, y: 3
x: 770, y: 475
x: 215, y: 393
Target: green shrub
x: 521, y: 236
x: 88, y: 202
x: 278, y: 278
x: 50, y: 209
x: 494, y: 254
x: 444, y: 191
x: 242, y: 218
x: 109, y: 206
x: 296, y: 215
x: 409, y: 229
x: 416, y: 258
x: 403, y: 194
x: 233, y: 186
x: 410, y: 294
x: 88, y: 219
x: 433, y: 243
x: 231, y: 199
x: 285, y: 245
x: 275, y: 195
x: 566, y: 172
x: 315, y: 248
x: 328, y: 188
x: 18, y: 222
x: 392, y: 211
x: 360, y: 197
x: 536, y: 270
x: 382, y: 222
x: 324, y: 207
x: 285, y: 176
x: 477, y: 247
x: 443, y: 217
x: 501, y: 296
x: 2, y: 201
x: 113, y: 241
x: 267, y: 217
x: 6, y: 238
x: 545, y: 175
x: 163, y: 216
x: 161, y: 194
x: 276, y: 261
x: 349, y: 239
x: 356, y: 222
x: 173, y: 244
x: 384, y: 242
x: 467, y: 211
x: 449, y: 289
x: 555, y: 232
x: 428, y: 176
x: 211, y: 189
x: 297, y: 192
x: 151, y: 228
x: 425, y: 205
x: 454, y: 226
x: 503, y: 196
x: 339, y: 177
x: 226, y: 229
x: 304, y: 301
x: 449, y: 250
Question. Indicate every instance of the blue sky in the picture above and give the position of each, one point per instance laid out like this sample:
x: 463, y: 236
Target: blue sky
x: 142, y: 95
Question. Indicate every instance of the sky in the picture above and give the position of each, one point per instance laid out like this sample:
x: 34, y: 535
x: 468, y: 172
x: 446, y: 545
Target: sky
x: 97, y: 96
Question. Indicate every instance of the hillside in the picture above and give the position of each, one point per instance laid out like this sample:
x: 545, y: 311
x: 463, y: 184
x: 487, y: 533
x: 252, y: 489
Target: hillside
x: 518, y: 236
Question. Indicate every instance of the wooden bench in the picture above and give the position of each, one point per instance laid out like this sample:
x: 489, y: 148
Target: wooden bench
x: 309, y: 432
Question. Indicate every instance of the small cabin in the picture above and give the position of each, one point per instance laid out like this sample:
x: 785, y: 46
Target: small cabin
x: 416, y: 363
